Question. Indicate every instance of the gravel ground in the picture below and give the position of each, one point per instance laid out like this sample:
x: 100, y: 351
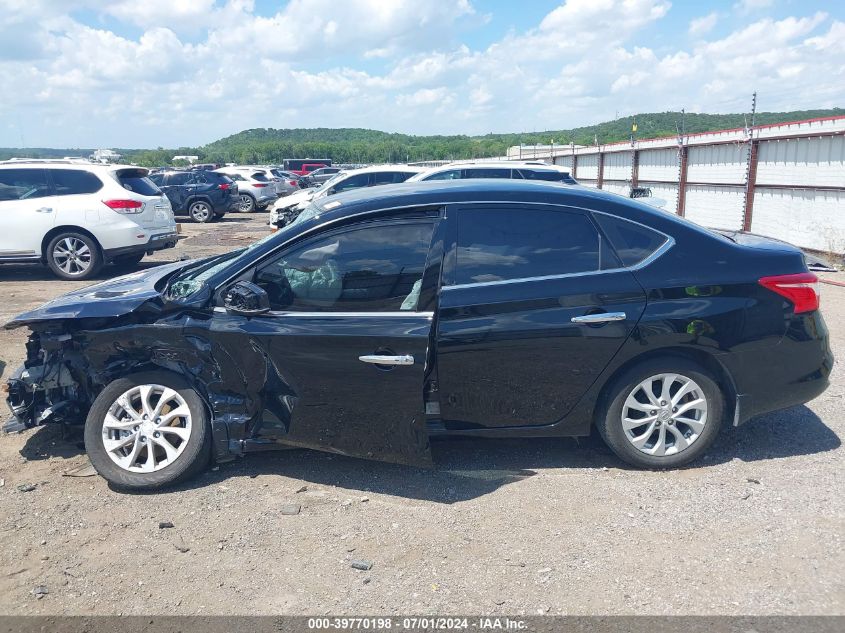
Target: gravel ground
x: 518, y: 527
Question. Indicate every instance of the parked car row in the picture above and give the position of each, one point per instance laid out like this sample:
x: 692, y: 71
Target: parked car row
x: 77, y: 216
x: 284, y: 211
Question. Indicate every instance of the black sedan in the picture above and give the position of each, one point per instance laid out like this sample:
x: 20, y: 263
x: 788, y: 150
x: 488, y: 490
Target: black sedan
x: 384, y: 317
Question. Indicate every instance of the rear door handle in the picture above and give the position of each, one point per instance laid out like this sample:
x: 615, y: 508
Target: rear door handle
x: 44, y: 210
x: 379, y: 359
x: 599, y: 317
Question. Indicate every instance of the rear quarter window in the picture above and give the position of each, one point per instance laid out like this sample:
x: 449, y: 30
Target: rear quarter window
x: 136, y: 180
x: 632, y: 242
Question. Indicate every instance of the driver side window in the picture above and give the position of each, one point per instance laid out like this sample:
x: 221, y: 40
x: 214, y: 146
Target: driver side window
x: 377, y: 267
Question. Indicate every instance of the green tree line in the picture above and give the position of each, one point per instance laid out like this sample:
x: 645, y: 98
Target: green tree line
x: 358, y: 145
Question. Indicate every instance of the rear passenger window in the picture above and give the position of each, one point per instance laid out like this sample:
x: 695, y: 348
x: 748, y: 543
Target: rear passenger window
x: 632, y: 242
x: 179, y: 178
x: 390, y: 177
x: 23, y: 184
x: 452, y: 174
x: 547, y: 175
x: 69, y: 182
x: 501, y: 244
x: 488, y: 173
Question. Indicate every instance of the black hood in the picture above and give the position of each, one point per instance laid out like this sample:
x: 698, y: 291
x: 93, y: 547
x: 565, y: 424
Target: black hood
x: 113, y: 298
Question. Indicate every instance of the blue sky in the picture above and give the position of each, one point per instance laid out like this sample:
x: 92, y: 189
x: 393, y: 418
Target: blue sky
x: 169, y: 73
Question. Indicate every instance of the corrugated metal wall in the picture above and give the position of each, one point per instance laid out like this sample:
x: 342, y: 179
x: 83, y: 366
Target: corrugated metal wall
x: 718, y: 207
x: 803, y: 161
x: 718, y: 163
x: 659, y: 165
x: 797, y: 178
x: 617, y: 166
x: 588, y: 166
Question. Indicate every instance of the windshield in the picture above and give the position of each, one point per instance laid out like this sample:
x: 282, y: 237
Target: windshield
x: 191, y: 278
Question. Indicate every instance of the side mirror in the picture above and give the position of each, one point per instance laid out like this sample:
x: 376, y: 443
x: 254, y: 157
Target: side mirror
x: 246, y: 299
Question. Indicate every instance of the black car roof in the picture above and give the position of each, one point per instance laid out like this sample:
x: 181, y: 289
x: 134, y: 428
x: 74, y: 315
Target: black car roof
x: 409, y: 197
x: 424, y: 193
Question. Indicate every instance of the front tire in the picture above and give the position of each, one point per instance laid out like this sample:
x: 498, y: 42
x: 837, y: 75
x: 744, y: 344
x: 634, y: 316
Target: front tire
x: 662, y: 413
x: 74, y: 256
x: 147, y: 431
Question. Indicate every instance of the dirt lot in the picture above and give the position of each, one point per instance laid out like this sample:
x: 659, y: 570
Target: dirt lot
x: 517, y: 527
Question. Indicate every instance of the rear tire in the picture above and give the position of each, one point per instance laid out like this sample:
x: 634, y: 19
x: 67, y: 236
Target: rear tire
x: 662, y: 413
x: 74, y: 256
x: 116, y: 418
x: 200, y: 211
x: 247, y: 204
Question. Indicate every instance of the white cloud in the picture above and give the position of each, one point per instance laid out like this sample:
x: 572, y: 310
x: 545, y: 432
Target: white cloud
x: 701, y: 26
x: 747, y: 6
x: 403, y: 68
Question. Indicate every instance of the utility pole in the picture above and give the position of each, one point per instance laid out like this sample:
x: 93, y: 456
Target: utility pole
x: 750, y: 167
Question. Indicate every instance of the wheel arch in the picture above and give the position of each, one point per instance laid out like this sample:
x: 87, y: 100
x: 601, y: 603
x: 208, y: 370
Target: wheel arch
x: 66, y: 228
x: 218, y: 430
x: 199, y: 198
x: 708, y: 361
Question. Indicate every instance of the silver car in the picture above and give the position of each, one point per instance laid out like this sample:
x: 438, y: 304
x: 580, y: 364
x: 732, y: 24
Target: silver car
x: 319, y: 176
x: 290, y: 182
x: 255, y: 190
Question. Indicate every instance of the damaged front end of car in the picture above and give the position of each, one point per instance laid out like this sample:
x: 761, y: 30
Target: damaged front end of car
x: 46, y: 388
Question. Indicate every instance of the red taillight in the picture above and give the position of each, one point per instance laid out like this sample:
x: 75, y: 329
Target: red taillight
x: 292, y: 183
x: 260, y: 184
x: 800, y: 289
x: 223, y: 185
x: 124, y: 206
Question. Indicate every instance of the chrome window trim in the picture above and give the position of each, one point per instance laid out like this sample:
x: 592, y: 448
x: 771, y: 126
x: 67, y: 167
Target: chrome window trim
x: 444, y: 204
x: 291, y: 313
x: 667, y: 244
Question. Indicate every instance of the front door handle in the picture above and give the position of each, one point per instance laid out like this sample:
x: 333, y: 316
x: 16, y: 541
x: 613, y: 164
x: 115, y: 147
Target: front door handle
x: 599, y: 317
x: 44, y: 210
x: 379, y: 359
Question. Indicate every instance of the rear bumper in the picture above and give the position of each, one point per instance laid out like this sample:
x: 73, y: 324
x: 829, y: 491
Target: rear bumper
x: 155, y: 243
x: 791, y: 372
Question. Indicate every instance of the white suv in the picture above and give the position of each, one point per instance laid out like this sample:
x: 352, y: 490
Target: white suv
x: 75, y: 217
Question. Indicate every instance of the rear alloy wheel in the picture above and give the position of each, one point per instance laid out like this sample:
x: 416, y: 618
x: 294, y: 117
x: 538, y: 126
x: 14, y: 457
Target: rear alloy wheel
x: 247, y: 204
x: 74, y: 256
x: 201, y: 212
x: 662, y: 414
x: 147, y: 431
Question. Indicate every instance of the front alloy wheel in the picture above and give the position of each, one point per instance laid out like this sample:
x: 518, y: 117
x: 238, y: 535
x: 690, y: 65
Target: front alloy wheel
x: 148, y: 431
x: 147, y: 428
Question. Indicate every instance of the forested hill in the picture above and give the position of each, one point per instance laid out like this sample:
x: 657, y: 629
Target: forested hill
x: 357, y: 145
